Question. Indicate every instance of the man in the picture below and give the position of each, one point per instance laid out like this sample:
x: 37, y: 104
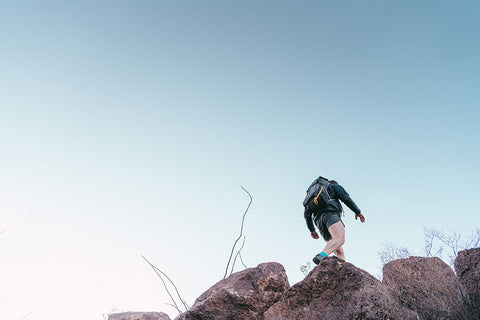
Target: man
x: 326, y: 216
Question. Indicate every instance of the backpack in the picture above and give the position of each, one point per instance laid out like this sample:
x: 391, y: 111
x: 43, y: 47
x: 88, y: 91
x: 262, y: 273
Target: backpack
x: 318, y: 192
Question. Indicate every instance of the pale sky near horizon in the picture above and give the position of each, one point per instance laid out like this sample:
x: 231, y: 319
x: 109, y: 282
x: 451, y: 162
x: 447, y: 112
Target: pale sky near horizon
x: 127, y: 128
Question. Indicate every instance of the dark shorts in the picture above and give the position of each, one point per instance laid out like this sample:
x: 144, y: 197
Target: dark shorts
x: 325, y: 221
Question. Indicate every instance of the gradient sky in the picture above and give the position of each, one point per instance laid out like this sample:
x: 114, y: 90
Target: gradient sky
x: 128, y: 127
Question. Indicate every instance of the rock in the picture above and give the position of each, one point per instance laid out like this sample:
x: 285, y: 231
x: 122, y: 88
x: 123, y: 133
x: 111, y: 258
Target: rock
x: 337, y: 290
x: 245, y: 295
x: 425, y: 285
x: 139, y: 316
x: 467, y: 267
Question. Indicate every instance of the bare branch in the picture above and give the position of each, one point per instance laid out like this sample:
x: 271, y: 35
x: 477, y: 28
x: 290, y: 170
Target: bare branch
x: 176, y: 290
x: 450, y: 243
x: 473, y: 239
x: 438, y: 243
x: 164, y: 284
x: 159, y: 274
x: 238, y: 253
x: 28, y: 315
x: 428, y: 242
x: 241, y: 233
x: 241, y: 260
x: 476, y: 236
x: 305, y: 268
x: 171, y: 305
x: 185, y: 303
x: 392, y: 252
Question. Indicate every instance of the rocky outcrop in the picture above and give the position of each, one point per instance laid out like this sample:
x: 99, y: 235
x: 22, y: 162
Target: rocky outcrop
x: 244, y: 295
x: 139, y: 316
x: 337, y: 290
x: 467, y: 267
x: 415, y: 288
x: 427, y: 286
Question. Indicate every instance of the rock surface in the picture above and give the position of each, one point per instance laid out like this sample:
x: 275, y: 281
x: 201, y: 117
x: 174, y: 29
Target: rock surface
x: 415, y: 288
x: 337, y: 290
x: 467, y: 267
x: 139, y: 316
x: 244, y: 295
x: 425, y: 285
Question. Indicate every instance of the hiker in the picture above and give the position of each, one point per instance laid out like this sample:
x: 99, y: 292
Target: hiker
x: 322, y: 207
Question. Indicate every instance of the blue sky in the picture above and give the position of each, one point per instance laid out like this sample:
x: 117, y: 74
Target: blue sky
x: 127, y: 128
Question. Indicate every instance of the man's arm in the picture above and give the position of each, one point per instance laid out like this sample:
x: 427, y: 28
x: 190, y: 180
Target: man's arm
x: 308, y: 218
x: 345, y: 197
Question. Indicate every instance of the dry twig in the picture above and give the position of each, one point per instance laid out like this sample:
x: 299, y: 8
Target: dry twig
x: 240, y: 236
x: 237, y: 255
x: 160, y: 273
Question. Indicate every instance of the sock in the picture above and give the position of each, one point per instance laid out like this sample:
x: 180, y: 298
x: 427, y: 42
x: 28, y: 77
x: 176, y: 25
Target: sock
x: 319, y: 257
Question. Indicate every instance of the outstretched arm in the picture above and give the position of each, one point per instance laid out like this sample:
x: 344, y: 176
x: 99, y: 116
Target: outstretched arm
x: 345, y: 197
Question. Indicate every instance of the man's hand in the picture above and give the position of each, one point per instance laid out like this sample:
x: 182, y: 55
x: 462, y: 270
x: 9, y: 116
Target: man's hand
x: 359, y: 215
x: 314, y: 235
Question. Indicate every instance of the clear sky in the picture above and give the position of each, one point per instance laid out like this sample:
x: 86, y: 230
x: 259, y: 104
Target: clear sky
x: 128, y: 127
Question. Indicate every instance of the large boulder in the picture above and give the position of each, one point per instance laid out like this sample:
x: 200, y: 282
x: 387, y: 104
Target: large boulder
x: 426, y: 285
x: 139, y: 316
x: 244, y: 295
x: 467, y: 267
x: 337, y: 290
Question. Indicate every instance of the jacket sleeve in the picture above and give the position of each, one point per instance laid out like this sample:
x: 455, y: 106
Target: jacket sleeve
x: 345, y: 197
x: 308, y: 218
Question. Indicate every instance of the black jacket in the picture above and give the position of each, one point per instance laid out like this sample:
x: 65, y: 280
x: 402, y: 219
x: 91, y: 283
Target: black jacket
x: 336, y: 192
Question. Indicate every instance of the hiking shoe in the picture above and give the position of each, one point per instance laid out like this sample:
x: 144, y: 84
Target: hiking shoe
x: 318, y: 258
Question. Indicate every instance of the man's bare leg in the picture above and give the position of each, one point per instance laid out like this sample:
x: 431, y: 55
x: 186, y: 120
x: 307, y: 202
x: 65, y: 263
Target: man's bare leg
x: 334, y: 244
x: 337, y: 230
x: 339, y: 253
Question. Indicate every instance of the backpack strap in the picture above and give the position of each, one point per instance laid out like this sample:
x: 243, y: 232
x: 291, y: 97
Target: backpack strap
x: 315, y: 200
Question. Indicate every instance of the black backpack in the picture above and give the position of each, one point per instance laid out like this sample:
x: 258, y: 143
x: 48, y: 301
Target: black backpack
x: 317, y: 194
